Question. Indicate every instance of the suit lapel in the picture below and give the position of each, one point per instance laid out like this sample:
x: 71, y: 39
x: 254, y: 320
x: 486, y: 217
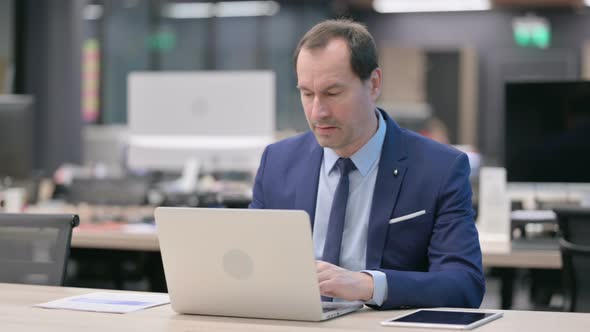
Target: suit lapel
x: 307, y: 188
x: 387, y: 186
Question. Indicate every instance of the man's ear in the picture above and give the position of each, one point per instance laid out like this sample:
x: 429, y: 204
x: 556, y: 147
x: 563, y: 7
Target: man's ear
x: 375, y: 82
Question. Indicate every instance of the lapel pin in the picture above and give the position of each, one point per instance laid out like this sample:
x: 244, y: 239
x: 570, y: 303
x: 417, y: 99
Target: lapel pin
x: 395, y: 172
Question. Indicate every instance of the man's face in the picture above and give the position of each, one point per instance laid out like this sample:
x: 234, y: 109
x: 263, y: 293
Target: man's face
x: 339, y: 107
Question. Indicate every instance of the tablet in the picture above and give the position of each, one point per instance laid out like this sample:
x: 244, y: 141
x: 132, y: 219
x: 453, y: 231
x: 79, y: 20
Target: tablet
x: 443, y: 319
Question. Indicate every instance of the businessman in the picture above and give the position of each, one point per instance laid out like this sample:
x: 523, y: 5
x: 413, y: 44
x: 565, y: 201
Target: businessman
x: 390, y: 210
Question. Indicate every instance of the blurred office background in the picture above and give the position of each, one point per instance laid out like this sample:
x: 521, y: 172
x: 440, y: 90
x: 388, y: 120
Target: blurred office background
x: 451, y: 65
x: 447, y: 68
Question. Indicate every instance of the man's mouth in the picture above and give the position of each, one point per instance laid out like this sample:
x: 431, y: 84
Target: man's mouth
x: 325, y: 129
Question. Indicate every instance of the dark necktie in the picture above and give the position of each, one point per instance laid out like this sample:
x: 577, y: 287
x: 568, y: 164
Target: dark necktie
x: 337, y: 214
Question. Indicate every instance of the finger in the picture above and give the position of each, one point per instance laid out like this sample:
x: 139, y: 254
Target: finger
x: 327, y: 288
x: 321, y: 265
x: 330, y: 269
x: 326, y: 274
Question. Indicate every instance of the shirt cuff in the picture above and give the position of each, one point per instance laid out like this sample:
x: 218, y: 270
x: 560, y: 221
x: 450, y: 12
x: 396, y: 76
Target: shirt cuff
x: 379, y: 287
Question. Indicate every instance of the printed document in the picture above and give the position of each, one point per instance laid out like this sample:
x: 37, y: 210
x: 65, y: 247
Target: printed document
x: 108, y: 302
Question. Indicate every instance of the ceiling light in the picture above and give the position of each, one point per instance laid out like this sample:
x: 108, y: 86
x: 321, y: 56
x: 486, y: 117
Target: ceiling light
x: 188, y: 10
x: 247, y: 8
x: 92, y: 12
x: 220, y: 9
x: 407, y: 6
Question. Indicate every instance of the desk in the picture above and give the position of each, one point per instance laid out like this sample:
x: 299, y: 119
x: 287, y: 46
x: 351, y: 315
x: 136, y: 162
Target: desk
x: 145, y: 240
x: 509, y: 260
x: 116, y: 237
x: 129, y: 237
x: 108, y: 235
x: 16, y: 314
x: 534, y: 259
x: 124, y: 238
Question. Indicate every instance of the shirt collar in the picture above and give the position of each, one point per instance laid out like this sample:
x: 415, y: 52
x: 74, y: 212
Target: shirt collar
x: 366, y: 156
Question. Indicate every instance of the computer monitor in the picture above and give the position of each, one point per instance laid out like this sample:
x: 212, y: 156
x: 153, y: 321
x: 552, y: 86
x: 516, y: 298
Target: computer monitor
x: 16, y: 136
x: 547, y: 128
x: 223, y: 119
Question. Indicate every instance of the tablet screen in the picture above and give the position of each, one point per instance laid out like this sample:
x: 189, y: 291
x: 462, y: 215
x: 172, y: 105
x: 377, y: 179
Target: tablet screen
x: 443, y: 317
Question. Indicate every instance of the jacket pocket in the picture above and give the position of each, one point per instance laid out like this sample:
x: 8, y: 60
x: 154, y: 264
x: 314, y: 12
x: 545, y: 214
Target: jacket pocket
x: 407, y: 217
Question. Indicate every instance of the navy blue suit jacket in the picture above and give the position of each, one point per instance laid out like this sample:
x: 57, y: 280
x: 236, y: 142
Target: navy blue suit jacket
x: 430, y: 261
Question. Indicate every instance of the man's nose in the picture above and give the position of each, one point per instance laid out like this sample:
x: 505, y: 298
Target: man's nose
x: 319, y: 109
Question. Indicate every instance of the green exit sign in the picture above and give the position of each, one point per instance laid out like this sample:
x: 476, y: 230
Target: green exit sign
x: 531, y: 31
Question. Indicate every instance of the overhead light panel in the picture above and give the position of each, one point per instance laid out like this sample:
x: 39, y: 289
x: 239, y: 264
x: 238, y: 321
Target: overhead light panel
x: 247, y: 8
x: 92, y: 12
x: 220, y: 9
x: 188, y: 10
x: 410, y: 6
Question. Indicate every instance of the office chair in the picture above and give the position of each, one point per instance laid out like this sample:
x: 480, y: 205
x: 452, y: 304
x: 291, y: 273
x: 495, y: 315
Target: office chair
x: 574, y: 225
x: 34, y: 248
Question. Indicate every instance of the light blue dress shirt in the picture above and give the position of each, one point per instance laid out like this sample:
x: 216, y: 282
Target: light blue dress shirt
x: 358, y: 208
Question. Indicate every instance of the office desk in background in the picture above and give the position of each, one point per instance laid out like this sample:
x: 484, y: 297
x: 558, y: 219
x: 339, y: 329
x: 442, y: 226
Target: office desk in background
x: 142, y: 237
x: 506, y: 260
x: 108, y: 227
x: 17, y: 314
x: 532, y: 259
x: 131, y: 237
x: 117, y: 236
x: 120, y: 242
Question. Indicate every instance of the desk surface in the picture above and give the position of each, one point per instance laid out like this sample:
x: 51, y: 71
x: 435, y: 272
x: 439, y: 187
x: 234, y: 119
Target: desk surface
x: 120, y: 238
x: 144, y: 239
x: 534, y: 259
x: 17, y: 314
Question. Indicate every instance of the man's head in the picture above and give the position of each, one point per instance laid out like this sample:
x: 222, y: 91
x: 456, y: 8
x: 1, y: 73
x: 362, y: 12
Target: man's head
x: 339, y: 81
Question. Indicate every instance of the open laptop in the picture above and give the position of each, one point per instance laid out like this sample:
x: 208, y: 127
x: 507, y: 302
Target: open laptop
x: 243, y: 263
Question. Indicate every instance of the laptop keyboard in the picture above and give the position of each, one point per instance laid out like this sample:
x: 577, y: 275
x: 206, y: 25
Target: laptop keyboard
x: 331, y: 306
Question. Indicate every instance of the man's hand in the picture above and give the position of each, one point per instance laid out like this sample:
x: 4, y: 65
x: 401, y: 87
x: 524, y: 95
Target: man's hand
x: 344, y: 284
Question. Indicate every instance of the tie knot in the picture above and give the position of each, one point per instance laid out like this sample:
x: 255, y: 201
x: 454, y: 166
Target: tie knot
x: 345, y: 165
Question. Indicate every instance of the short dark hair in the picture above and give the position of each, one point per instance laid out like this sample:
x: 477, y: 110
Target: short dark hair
x: 363, y: 52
